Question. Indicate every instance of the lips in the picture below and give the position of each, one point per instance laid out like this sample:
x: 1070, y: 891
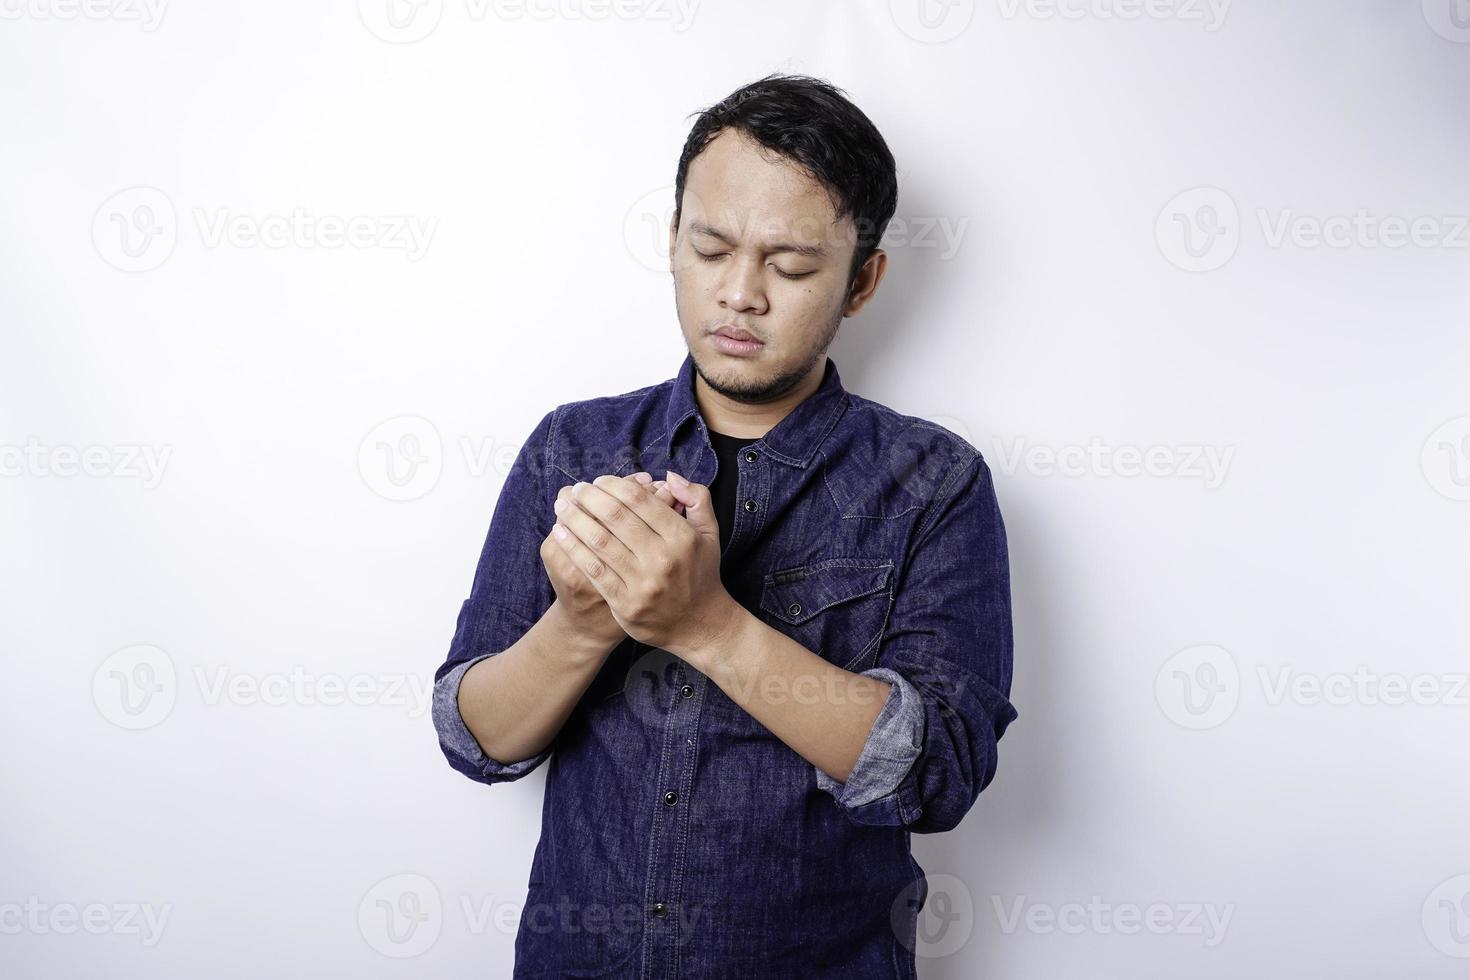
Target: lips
x: 738, y: 333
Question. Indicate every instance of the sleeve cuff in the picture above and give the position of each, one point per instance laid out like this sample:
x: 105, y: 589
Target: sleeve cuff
x: 892, y: 746
x: 456, y: 737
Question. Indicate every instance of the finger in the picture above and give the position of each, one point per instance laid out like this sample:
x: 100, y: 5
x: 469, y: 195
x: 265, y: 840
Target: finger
x: 657, y: 519
x: 667, y: 496
x: 603, y: 576
x: 618, y: 504
x: 592, y: 533
x: 556, y: 555
x: 565, y: 493
x: 699, y: 508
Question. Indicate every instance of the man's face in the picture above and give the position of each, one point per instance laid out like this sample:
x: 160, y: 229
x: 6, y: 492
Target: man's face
x: 758, y: 247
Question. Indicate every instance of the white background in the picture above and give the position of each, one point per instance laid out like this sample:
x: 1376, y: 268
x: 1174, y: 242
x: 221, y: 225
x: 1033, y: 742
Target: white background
x: 330, y: 423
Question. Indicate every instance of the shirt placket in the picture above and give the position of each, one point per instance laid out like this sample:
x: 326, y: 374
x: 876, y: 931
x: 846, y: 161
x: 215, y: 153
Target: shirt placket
x: 664, y: 941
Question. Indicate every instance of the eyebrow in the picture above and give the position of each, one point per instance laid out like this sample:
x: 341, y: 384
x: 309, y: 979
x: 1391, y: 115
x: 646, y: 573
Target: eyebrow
x: 812, y: 251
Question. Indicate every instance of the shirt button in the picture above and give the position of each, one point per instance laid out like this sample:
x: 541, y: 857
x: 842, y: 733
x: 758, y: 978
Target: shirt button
x: 671, y: 797
x: 750, y: 505
x: 687, y: 691
x: 660, y: 909
x: 750, y: 455
x: 794, y: 609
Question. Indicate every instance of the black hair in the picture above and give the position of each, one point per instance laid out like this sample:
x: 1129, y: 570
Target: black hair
x: 812, y: 123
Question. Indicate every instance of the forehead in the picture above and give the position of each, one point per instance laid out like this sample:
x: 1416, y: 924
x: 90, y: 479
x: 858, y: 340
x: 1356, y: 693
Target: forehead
x: 752, y: 193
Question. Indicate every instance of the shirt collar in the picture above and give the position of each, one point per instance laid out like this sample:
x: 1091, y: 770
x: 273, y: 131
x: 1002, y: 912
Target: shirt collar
x: 792, y: 440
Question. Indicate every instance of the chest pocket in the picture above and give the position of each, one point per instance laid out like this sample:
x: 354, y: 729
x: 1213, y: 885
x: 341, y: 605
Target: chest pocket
x: 836, y: 607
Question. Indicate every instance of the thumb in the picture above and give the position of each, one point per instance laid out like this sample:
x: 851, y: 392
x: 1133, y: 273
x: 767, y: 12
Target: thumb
x: 698, y: 507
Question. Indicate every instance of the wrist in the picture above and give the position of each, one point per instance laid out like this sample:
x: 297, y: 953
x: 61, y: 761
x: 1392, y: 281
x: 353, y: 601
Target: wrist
x: 581, y: 642
x: 719, y: 637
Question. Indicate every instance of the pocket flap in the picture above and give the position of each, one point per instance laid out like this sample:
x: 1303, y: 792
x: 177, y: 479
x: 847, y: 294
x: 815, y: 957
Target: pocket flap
x: 797, y: 594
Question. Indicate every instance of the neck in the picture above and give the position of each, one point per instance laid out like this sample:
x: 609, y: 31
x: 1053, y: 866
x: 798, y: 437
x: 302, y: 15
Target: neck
x: 747, y: 420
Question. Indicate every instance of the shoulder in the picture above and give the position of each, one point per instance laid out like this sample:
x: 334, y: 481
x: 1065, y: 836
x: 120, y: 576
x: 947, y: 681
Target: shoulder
x: 605, y: 433
x: 884, y: 463
x: 881, y: 425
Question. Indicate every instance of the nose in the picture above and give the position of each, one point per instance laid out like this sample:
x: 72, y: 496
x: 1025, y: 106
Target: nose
x: 740, y: 286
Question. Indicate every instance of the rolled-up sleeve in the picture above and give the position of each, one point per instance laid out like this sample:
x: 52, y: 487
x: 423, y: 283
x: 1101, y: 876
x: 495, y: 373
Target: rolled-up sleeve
x: 947, y: 651
x: 509, y: 594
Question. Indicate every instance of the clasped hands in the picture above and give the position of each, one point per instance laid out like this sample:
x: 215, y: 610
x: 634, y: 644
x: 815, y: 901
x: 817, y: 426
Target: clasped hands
x: 623, y: 559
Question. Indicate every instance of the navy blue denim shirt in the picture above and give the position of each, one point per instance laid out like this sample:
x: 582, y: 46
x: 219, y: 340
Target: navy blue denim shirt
x: 679, y: 837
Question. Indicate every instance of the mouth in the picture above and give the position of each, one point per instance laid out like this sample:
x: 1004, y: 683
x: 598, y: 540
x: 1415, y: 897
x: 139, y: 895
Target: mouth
x: 736, y: 341
x: 736, y: 333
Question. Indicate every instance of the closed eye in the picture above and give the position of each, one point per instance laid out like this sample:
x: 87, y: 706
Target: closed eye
x: 712, y: 256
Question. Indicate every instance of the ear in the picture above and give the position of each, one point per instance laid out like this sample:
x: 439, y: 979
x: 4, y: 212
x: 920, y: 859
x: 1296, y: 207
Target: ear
x: 865, y: 284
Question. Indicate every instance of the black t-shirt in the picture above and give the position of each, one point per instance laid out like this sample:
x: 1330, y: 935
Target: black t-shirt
x: 722, y: 490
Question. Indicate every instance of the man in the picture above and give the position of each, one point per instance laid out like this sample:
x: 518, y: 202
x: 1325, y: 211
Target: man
x: 757, y: 677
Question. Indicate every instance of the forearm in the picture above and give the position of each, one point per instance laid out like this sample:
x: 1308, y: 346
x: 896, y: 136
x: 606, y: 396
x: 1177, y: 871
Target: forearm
x: 515, y: 702
x: 824, y: 713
